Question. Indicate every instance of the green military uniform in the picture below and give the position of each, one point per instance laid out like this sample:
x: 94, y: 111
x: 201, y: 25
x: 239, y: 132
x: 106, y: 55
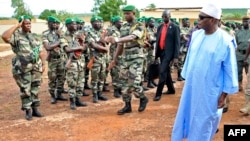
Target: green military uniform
x: 27, y: 66
x: 116, y: 81
x: 242, y: 37
x: 75, y: 71
x: 131, y: 69
x: 98, y: 71
x: 56, y: 60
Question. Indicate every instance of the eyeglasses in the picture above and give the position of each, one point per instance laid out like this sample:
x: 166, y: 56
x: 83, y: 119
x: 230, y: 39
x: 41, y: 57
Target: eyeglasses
x: 203, y: 17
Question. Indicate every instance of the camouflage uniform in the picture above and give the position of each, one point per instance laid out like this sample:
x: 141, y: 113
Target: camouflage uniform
x: 131, y: 69
x: 56, y: 60
x: 27, y: 67
x: 242, y: 37
x: 98, y: 71
x: 116, y: 82
x: 75, y: 73
x: 152, y: 38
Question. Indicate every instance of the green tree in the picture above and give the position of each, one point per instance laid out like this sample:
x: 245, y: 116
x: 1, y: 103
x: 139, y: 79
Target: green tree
x: 111, y: 8
x: 20, y: 8
x: 63, y: 15
x: 44, y: 15
x: 97, y: 5
x: 151, y: 6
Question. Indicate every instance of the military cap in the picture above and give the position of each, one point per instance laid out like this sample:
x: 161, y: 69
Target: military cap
x: 79, y: 21
x: 116, y: 18
x: 177, y: 23
x: 159, y: 20
x: 150, y: 19
x: 70, y: 20
x: 173, y: 19
x: 53, y: 19
x: 245, y: 17
x: 185, y: 19
x: 129, y: 8
x: 140, y: 19
x: 195, y: 22
x: 23, y: 17
x: 95, y: 18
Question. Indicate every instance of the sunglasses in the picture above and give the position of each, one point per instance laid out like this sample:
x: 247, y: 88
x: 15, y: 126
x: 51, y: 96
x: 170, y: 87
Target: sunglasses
x: 203, y: 17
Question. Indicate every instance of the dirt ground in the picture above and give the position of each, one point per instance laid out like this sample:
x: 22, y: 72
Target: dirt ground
x: 96, y: 122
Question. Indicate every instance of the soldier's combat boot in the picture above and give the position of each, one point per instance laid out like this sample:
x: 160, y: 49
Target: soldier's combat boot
x: 86, y: 85
x: 60, y: 97
x: 53, y: 99
x: 79, y: 103
x: 101, y: 97
x: 84, y: 93
x: 150, y: 84
x: 126, y: 109
x: 36, y: 113
x: 179, y: 76
x: 117, y: 93
x: 28, y: 114
x: 143, y: 104
x: 72, y: 103
x: 105, y: 88
x: 95, y: 98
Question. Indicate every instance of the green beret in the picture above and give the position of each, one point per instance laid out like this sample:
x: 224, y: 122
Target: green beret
x: 173, y: 19
x: 116, y: 18
x: 245, y: 17
x: 129, y: 8
x: 185, y: 19
x: 160, y: 20
x: 95, y: 18
x: 70, y: 20
x: 79, y: 21
x: 140, y: 20
x: 23, y: 17
x: 53, y: 19
x: 150, y: 19
x: 177, y: 23
x: 195, y: 22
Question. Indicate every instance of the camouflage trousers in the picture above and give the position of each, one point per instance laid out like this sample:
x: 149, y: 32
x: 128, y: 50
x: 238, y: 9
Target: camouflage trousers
x: 29, y: 84
x: 115, y: 71
x: 181, y: 60
x: 131, y: 75
x: 150, y: 60
x: 240, y: 66
x: 56, y: 75
x: 98, y: 74
x: 75, y: 78
x: 86, y: 56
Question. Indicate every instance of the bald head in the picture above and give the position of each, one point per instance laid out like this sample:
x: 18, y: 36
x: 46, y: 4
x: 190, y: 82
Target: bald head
x: 166, y: 16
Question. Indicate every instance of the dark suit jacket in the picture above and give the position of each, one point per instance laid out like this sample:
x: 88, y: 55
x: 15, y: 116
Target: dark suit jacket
x: 172, y: 42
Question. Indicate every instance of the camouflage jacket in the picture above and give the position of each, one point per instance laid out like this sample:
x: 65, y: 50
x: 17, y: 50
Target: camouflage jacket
x: 27, y: 47
x: 115, y: 32
x: 242, y: 36
x: 133, y: 49
x: 184, y: 31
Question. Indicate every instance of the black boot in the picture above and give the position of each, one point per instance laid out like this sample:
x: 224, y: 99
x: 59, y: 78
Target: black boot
x: 101, y: 97
x: 179, y: 76
x: 53, y: 99
x: 95, y: 98
x: 36, y: 113
x: 86, y: 85
x: 72, y: 103
x: 60, y: 97
x: 28, y: 114
x: 126, y: 109
x: 84, y: 94
x: 105, y: 88
x: 150, y: 84
x: 143, y: 104
x: 79, y: 103
x: 117, y: 93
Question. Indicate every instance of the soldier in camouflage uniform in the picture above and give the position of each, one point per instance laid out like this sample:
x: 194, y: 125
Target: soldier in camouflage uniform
x: 73, y: 45
x: 98, y: 52
x: 132, y: 38
x: 242, y: 37
x: 27, y: 64
x: 114, y: 31
x: 183, y: 50
x: 56, y: 59
x: 151, y: 38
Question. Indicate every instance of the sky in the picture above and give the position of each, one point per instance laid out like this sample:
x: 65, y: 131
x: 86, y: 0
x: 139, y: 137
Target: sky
x: 84, y: 6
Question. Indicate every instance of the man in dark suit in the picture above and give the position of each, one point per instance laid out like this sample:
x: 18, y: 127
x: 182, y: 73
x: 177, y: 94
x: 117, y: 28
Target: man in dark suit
x: 167, y: 48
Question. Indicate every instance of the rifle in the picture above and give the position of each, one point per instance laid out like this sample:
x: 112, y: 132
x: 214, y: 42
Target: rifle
x: 100, y: 42
x: 76, y: 54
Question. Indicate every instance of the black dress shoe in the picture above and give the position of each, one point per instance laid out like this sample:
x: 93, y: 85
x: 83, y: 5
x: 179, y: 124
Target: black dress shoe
x: 157, y: 98
x: 169, y: 92
x: 225, y: 109
x: 150, y: 84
